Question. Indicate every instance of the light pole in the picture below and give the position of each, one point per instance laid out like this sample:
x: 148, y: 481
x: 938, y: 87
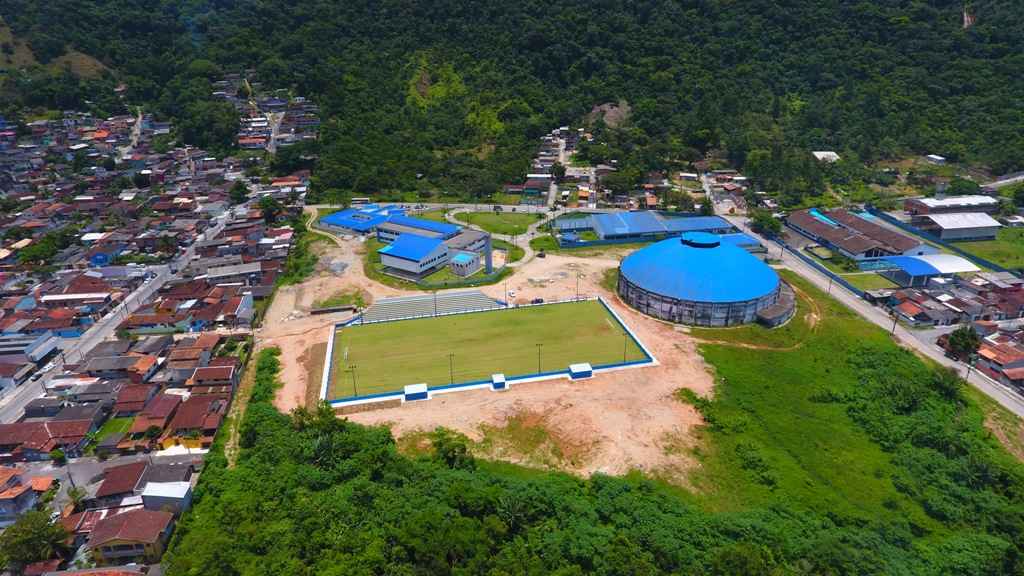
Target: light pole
x: 355, y: 389
x: 451, y: 368
x: 894, y: 317
x: 829, y: 285
x: 538, y: 357
x: 625, y: 341
x: 577, y: 286
x: 435, y: 302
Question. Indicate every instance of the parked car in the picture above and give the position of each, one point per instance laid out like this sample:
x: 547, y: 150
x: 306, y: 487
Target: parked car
x: 537, y: 301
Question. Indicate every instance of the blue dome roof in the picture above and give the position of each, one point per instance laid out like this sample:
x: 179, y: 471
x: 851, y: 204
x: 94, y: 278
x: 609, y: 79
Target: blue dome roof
x: 698, y: 267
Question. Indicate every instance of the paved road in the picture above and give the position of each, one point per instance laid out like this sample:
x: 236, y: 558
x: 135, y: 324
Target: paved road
x: 12, y: 405
x: 920, y: 341
x: 274, y: 119
x: 136, y: 132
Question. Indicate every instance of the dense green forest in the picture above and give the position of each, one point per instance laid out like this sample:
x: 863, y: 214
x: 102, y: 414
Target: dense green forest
x: 456, y: 92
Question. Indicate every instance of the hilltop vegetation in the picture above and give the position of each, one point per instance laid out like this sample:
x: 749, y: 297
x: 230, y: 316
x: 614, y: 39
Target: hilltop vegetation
x: 457, y: 92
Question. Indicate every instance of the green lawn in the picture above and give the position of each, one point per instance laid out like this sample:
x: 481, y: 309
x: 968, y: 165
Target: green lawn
x: 776, y: 438
x: 507, y: 223
x: 515, y: 253
x: 869, y: 281
x: 435, y: 215
x: 390, y: 355
x: 355, y: 298
x: 114, y: 426
x: 1007, y: 249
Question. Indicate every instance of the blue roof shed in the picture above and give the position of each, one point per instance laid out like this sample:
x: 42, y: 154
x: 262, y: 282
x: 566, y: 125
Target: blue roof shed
x: 412, y: 247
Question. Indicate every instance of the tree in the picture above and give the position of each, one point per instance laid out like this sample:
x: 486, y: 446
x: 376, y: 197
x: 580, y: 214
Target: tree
x: 962, y: 187
x: 32, y: 538
x: 558, y: 171
x: 763, y: 222
x: 964, y: 342
x: 239, y: 192
x: 1017, y: 193
x: 707, y: 207
x: 271, y: 209
x: 743, y: 559
x: 58, y: 456
x: 77, y: 495
x: 685, y: 202
x: 452, y: 449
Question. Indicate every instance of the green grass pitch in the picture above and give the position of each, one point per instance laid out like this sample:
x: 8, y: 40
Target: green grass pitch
x: 386, y: 357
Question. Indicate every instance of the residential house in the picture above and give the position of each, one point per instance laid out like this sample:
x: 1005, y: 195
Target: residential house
x: 16, y: 495
x: 135, y: 536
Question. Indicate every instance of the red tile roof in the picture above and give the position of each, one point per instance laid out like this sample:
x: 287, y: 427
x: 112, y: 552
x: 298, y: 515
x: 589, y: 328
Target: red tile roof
x: 123, y: 479
x: 143, y: 526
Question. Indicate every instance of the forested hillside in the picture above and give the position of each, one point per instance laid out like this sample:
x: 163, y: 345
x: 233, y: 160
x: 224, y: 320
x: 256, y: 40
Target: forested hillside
x: 456, y: 91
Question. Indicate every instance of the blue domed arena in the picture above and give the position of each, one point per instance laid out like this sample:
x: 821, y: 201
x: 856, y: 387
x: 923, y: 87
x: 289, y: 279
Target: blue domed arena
x: 697, y: 279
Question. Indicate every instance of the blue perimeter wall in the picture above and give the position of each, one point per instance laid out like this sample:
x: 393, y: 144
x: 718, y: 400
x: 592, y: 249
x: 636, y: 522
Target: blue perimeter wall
x: 339, y: 402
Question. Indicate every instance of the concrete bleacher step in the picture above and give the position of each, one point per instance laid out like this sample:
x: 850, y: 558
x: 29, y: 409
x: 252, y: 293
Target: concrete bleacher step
x: 426, y: 305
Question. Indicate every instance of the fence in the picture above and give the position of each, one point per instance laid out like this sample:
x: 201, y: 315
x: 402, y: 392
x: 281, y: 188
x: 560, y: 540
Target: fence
x: 936, y: 240
x: 647, y: 360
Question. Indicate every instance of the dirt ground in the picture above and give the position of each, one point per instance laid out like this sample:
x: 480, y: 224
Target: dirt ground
x: 289, y: 325
x: 613, y: 423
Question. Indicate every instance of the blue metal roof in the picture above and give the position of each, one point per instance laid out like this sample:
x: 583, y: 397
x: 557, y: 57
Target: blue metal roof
x: 641, y: 223
x: 362, y: 219
x: 625, y: 223
x: 439, y: 227
x: 739, y: 239
x: 411, y: 247
x: 913, y: 266
x: 697, y: 224
x: 712, y: 272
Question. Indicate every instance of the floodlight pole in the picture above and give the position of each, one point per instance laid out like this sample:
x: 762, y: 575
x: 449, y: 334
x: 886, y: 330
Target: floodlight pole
x: 538, y: 357
x: 355, y: 389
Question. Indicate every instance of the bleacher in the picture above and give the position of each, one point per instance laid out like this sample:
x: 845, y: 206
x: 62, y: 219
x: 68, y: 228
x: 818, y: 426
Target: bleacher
x: 416, y: 306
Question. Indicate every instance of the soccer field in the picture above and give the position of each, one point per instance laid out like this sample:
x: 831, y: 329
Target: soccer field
x: 378, y: 358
